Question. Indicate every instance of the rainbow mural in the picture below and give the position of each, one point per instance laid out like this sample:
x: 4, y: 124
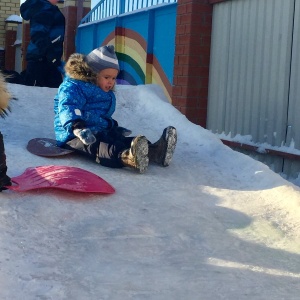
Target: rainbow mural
x: 137, y: 63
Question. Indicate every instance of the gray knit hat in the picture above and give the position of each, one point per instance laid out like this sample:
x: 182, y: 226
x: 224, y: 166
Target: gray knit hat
x: 102, y: 58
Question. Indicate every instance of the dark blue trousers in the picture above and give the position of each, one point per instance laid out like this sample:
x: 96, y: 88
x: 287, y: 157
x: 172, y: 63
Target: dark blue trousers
x: 106, y: 150
x: 42, y: 73
x: 4, y: 179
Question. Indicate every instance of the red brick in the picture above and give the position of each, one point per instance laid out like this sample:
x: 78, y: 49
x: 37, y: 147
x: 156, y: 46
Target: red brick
x: 192, y: 102
x: 182, y: 39
x: 179, y: 70
x: 176, y: 80
x: 179, y: 101
x: 203, y: 50
x: 202, y: 7
x: 180, y: 49
x: 203, y: 92
x: 185, y: 19
x: 194, y: 60
x: 189, y: 7
x: 189, y: 81
x: 182, y: 80
x: 181, y: 9
x: 183, y: 2
x: 216, y: 1
x: 192, y: 112
x: 204, y: 82
x: 205, y: 41
x: 187, y: 49
x: 202, y: 113
x: 191, y: 91
x: 183, y: 60
x: 10, y: 50
x: 181, y: 29
x: 177, y: 91
x: 185, y: 69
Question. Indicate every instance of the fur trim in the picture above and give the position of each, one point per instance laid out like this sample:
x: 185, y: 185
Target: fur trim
x: 77, y: 68
x: 4, y: 97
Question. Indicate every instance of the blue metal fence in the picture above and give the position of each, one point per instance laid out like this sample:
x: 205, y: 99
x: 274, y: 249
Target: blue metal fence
x: 110, y: 8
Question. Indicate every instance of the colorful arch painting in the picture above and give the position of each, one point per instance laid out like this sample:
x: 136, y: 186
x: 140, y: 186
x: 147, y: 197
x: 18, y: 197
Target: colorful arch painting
x: 137, y: 63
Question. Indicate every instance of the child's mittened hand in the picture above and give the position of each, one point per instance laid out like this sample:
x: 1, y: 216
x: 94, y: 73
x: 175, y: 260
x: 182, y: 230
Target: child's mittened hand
x: 85, y: 135
x: 120, y: 131
x: 125, y: 131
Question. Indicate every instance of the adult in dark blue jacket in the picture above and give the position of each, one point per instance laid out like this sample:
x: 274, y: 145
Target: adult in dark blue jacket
x: 44, y: 52
x: 84, y: 106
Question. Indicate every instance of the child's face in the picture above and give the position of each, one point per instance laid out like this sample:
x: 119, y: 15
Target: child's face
x: 106, y: 79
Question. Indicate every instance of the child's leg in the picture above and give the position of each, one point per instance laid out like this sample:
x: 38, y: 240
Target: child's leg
x: 104, y: 151
x: 130, y: 152
x: 4, y: 179
x: 35, y: 73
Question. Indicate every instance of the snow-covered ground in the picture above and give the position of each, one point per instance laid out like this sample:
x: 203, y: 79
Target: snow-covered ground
x: 215, y: 224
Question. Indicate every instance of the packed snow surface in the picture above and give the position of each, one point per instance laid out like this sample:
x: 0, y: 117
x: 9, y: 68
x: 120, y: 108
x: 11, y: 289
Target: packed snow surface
x: 215, y: 224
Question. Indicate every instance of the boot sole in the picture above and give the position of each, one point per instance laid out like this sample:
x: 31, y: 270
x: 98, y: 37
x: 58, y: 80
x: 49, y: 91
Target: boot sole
x: 142, y: 160
x: 171, y: 141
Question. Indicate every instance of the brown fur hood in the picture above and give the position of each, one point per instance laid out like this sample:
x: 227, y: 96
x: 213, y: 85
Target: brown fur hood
x: 4, y: 96
x: 77, y: 68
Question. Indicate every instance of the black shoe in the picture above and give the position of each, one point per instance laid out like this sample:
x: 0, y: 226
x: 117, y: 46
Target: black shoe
x: 162, y: 151
x: 5, y: 181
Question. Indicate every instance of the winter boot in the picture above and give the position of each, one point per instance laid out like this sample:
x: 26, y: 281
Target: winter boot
x: 4, y: 179
x: 162, y: 151
x: 137, y: 156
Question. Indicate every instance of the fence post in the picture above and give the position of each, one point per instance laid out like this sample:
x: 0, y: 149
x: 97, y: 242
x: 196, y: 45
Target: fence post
x: 121, y: 7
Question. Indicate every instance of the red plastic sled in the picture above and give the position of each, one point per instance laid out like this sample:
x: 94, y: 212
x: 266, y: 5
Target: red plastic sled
x: 60, y: 177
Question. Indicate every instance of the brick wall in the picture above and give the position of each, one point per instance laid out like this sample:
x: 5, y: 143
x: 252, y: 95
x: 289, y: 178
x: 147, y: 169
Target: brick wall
x: 7, y: 8
x: 192, y: 57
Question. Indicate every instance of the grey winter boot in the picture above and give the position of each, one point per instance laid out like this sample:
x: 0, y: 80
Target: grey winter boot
x: 162, y: 151
x: 137, y: 156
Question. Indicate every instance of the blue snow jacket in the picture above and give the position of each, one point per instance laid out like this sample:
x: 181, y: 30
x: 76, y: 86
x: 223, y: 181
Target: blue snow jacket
x: 81, y: 100
x: 47, y: 30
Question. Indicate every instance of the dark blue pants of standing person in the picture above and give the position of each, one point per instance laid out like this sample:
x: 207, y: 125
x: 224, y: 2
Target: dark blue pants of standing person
x: 4, y: 179
x: 106, y: 150
x: 42, y: 73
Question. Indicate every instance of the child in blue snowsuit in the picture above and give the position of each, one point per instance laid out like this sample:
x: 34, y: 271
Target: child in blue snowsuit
x: 84, y: 106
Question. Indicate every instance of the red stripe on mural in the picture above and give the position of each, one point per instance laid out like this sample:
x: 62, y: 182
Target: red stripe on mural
x: 132, y: 35
x: 110, y: 37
